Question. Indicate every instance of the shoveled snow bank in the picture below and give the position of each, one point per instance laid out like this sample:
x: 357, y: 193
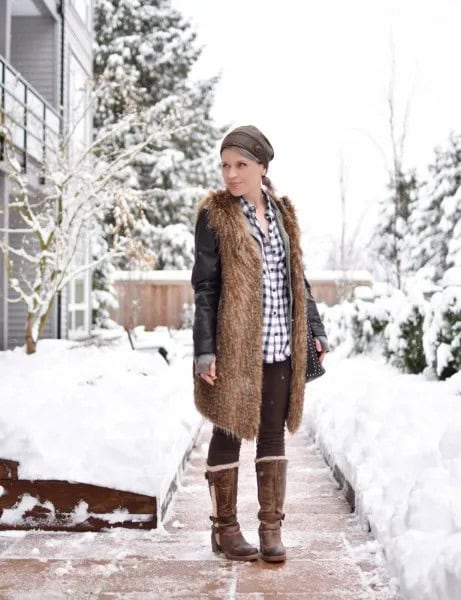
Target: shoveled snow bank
x: 397, y: 439
x: 104, y: 415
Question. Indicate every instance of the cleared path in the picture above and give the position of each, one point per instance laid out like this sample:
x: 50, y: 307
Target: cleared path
x: 329, y: 555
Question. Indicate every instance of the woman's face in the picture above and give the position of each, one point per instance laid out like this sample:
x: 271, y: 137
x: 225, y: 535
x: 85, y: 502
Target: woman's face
x: 241, y: 175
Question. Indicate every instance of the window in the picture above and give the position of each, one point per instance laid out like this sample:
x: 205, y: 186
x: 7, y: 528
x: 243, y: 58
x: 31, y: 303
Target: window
x: 80, y: 127
x: 80, y: 319
x: 79, y: 296
x: 79, y: 313
x: 79, y: 291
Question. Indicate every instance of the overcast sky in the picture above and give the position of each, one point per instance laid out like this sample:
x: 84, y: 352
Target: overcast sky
x: 314, y: 76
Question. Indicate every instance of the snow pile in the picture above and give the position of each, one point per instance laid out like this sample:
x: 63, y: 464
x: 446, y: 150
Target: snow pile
x: 397, y: 439
x: 104, y: 415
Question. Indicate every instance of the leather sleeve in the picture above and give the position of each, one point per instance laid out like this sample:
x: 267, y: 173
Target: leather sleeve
x: 318, y: 329
x: 206, y: 281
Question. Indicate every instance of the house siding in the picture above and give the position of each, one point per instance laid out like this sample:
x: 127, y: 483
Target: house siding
x: 35, y: 54
x: 17, y: 311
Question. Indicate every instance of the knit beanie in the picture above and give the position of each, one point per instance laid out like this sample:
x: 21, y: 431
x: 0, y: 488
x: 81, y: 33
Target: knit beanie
x: 252, y: 140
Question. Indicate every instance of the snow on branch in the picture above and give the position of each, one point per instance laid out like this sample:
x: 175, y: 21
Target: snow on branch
x: 80, y: 186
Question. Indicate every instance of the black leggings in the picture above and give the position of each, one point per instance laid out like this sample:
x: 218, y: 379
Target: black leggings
x: 225, y: 448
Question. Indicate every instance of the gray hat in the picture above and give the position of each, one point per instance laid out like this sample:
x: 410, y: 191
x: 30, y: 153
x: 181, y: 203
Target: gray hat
x: 252, y: 140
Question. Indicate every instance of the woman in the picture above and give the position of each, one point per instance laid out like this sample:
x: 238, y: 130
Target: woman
x: 249, y: 332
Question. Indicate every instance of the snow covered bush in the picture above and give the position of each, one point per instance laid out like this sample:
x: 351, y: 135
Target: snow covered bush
x: 442, y: 335
x: 411, y: 331
x: 403, y: 335
x: 336, y: 324
x: 361, y: 326
x: 357, y: 325
x: 380, y: 315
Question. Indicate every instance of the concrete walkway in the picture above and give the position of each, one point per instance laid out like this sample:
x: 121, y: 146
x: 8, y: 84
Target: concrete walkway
x: 329, y: 556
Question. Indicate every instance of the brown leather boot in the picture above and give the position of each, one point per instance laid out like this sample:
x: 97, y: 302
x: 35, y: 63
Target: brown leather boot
x: 271, y: 473
x: 226, y: 536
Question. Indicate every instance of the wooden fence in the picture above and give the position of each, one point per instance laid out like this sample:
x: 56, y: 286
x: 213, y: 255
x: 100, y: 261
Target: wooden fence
x: 153, y: 298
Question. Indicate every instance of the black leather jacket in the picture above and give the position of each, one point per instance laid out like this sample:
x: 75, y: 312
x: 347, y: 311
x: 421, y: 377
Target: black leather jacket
x: 206, y: 281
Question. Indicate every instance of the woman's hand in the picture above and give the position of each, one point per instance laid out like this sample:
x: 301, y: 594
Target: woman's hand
x: 210, y: 376
x: 205, y: 367
x: 321, y: 345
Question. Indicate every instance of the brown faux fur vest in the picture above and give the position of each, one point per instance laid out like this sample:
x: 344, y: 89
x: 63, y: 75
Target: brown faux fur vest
x: 233, y: 403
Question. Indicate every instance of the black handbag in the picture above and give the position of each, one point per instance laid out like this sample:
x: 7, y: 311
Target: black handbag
x: 313, y: 368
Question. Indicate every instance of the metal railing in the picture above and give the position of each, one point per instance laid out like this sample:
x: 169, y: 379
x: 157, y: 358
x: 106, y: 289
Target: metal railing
x: 34, y: 125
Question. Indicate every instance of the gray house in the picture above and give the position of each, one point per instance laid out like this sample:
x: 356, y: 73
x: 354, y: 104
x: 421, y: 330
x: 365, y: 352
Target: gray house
x: 45, y: 63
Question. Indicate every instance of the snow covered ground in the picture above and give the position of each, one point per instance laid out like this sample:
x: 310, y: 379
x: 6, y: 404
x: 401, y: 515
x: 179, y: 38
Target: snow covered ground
x: 397, y: 439
x: 111, y: 416
x: 105, y: 415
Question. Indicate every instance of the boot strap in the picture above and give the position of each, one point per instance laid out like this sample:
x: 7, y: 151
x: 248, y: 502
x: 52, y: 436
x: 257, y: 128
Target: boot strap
x: 272, y: 525
x: 223, y: 525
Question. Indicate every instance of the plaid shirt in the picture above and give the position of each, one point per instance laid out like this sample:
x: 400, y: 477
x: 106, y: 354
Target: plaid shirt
x: 276, y: 329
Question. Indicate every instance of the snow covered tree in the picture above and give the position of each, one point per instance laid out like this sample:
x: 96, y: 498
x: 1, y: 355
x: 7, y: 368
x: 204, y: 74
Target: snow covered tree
x: 144, y: 54
x: 56, y: 222
x: 435, y: 223
x: 391, y: 234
